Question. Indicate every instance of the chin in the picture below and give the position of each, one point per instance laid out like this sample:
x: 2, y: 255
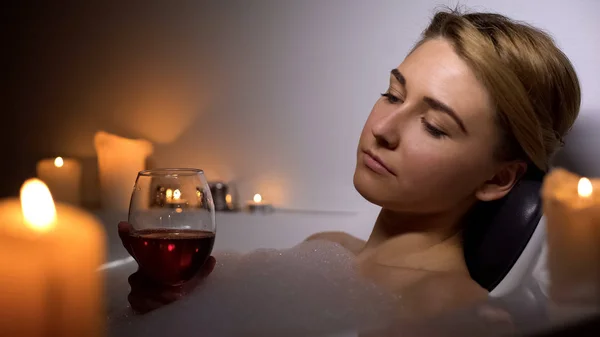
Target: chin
x: 367, y: 188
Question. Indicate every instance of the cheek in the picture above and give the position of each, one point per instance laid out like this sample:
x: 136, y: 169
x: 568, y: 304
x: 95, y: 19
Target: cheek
x: 440, y: 167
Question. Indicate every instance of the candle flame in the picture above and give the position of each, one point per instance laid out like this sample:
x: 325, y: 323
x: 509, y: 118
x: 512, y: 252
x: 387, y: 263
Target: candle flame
x: 257, y: 198
x: 584, y: 188
x: 59, y: 162
x: 169, y: 194
x: 177, y: 194
x: 228, y: 198
x: 37, y: 205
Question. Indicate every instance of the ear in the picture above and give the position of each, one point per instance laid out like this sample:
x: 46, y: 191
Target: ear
x: 502, y: 182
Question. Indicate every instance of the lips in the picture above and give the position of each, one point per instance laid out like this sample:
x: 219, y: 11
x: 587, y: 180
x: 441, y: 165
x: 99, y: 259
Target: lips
x: 375, y: 163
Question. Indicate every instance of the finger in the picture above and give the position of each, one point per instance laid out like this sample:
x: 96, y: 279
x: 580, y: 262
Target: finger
x: 133, y: 280
x: 168, y: 296
x: 142, y: 304
x: 163, y: 296
x: 497, y: 318
x: 206, y: 269
x: 144, y: 290
x: 494, y: 314
x: 208, y: 266
x: 125, y: 229
x: 144, y: 286
x: 139, y: 280
x: 146, y: 293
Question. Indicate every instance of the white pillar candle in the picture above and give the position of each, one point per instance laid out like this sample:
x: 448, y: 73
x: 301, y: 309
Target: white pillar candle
x: 572, y: 209
x: 119, y: 161
x: 63, y: 177
x: 49, y: 256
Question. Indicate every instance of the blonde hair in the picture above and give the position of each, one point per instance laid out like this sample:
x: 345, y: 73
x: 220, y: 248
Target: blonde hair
x: 533, y: 85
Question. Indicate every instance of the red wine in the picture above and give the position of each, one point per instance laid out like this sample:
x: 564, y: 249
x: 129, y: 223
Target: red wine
x: 171, y: 256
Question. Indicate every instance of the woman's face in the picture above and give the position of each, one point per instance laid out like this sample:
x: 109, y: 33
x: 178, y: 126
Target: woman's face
x: 429, y: 141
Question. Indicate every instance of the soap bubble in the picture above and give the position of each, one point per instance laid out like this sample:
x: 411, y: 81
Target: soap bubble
x: 311, y: 289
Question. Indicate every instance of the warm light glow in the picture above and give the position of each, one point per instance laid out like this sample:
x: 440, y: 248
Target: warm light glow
x: 257, y: 198
x: 228, y: 198
x: 584, y: 188
x: 169, y: 194
x: 59, y: 162
x: 37, y: 205
x: 176, y: 194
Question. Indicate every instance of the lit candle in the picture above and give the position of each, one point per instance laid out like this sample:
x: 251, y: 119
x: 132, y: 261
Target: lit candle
x: 258, y: 204
x: 173, y: 198
x: 63, y: 177
x: 572, y: 209
x: 119, y: 161
x: 229, y: 201
x: 49, y: 257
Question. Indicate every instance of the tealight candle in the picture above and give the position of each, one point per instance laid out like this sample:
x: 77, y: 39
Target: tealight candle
x: 49, y: 256
x: 259, y: 205
x: 173, y: 198
x: 572, y: 209
x: 63, y: 177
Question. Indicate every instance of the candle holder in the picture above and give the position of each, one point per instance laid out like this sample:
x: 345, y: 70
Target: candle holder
x: 260, y: 208
x: 258, y: 205
x: 222, y: 197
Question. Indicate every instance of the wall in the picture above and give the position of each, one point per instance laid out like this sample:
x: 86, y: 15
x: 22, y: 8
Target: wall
x: 270, y: 94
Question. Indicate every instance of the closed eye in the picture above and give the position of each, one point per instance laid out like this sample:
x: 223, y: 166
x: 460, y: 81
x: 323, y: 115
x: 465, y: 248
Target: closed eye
x: 432, y: 130
x: 391, y: 98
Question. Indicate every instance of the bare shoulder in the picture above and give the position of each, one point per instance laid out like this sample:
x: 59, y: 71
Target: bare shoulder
x: 437, y: 293
x: 348, y: 241
x: 455, y: 287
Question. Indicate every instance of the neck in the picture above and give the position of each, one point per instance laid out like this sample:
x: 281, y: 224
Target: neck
x: 403, y: 233
x: 432, y: 227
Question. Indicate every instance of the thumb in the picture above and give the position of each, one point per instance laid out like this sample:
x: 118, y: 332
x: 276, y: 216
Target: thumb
x: 125, y: 229
x: 207, y: 268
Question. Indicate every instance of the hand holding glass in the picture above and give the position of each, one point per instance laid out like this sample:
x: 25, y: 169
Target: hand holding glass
x: 173, y: 224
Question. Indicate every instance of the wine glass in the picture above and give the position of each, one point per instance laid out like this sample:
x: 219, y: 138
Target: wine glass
x: 173, y: 219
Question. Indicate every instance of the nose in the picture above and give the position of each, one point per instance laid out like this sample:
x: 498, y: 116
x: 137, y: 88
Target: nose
x: 387, y: 130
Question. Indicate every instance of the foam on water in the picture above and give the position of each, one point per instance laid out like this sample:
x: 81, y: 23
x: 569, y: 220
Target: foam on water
x: 311, y: 289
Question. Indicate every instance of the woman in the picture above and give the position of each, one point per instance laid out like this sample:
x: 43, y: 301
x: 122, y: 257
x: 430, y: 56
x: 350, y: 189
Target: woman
x: 478, y: 103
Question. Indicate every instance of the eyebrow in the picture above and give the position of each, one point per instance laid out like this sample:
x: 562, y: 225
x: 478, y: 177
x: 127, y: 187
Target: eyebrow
x: 433, y: 103
x: 396, y: 73
x: 439, y: 106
